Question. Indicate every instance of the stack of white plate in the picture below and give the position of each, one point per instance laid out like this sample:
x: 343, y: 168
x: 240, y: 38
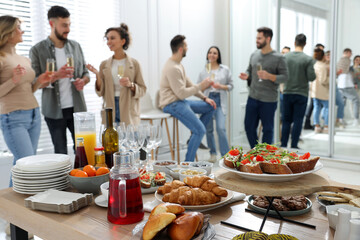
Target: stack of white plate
x: 35, y: 174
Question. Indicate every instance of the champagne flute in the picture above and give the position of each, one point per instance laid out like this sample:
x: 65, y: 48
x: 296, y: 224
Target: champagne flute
x: 208, y: 67
x: 70, y: 63
x: 158, y: 137
x: 50, y: 68
x: 120, y: 71
x: 121, y: 129
x: 259, y: 68
x: 101, y: 130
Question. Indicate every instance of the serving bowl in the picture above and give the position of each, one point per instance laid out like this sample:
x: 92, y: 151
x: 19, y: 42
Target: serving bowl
x: 164, y: 166
x: 185, y: 164
x: 204, y: 165
x: 190, y: 172
x: 88, y: 184
x: 174, y: 172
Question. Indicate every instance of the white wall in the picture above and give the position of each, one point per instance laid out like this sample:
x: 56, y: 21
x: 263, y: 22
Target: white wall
x: 247, y: 16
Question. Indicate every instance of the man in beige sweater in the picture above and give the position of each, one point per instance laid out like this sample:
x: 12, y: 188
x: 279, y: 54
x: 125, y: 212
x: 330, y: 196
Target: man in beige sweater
x: 175, y: 86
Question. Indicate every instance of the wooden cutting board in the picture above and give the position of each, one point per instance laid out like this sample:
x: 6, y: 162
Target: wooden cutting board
x: 305, y: 185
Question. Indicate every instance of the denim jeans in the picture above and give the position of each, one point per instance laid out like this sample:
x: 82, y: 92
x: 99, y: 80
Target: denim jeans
x: 351, y: 94
x: 117, y: 110
x: 57, y: 129
x: 340, y: 103
x: 220, y: 128
x: 21, y: 130
x: 185, y: 110
x: 257, y: 110
x: 294, y: 112
x: 323, y: 107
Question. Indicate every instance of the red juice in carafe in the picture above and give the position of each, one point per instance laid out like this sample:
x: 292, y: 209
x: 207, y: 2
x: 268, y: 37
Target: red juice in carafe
x: 134, y: 204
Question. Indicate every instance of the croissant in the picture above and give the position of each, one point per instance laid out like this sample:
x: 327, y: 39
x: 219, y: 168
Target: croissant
x: 190, y: 196
x: 170, y: 186
x: 206, y: 184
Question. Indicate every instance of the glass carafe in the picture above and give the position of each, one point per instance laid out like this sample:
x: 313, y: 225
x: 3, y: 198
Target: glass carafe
x: 125, y: 205
x: 84, y: 124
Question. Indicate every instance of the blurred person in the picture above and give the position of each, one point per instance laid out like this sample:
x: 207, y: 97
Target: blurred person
x: 62, y: 98
x: 346, y: 84
x: 121, y: 94
x: 320, y: 91
x: 338, y: 98
x: 285, y: 50
x: 266, y: 70
x: 19, y: 111
x: 310, y: 106
x: 223, y: 83
x: 175, y: 87
x: 296, y: 90
x: 355, y: 71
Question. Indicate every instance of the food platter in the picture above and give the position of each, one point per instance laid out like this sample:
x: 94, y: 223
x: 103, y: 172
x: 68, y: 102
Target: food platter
x: 153, y: 189
x: 265, y: 177
x: 223, y: 201
x: 250, y: 201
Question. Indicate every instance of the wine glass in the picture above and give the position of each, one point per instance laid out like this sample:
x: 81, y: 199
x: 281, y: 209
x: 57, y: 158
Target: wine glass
x: 101, y: 130
x: 130, y: 137
x: 121, y: 129
x: 208, y: 67
x: 70, y: 63
x: 50, y: 68
x: 259, y: 68
x: 120, y: 73
x: 158, y: 136
x: 148, y: 144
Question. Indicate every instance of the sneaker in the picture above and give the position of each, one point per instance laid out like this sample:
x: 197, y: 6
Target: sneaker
x: 317, y: 129
x: 339, y: 125
x: 355, y: 122
x: 325, y: 130
x: 202, y: 146
x: 213, y: 158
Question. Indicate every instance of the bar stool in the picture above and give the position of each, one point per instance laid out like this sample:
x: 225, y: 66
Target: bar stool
x: 149, y: 113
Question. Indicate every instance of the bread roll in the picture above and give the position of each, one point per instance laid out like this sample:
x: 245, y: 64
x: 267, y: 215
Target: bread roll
x: 167, y: 207
x: 156, y: 224
x: 186, y: 226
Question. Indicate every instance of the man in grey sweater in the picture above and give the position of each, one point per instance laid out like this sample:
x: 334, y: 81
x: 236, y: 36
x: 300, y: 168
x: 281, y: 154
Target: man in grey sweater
x: 301, y: 72
x: 266, y: 70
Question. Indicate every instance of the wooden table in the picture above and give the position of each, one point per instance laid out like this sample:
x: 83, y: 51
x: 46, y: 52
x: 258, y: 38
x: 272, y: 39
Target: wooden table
x: 91, y: 222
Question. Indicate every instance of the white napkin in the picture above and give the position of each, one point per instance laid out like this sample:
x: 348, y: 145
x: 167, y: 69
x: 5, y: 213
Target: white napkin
x: 149, y: 206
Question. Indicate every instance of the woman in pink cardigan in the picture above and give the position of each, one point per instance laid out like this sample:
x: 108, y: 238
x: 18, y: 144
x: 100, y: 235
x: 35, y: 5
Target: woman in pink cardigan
x: 119, y: 80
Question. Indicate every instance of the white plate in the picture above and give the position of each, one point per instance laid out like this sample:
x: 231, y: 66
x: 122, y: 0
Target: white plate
x: 16, y: 170
x: 153, y: 189
x: 49, y: 176
x: 32, y: 192
x: 37, y: 186
x: 223, y: 200
x: 101, y: 201
x: 47, y: 180
x: 265, y: 177
x: 42, y: 162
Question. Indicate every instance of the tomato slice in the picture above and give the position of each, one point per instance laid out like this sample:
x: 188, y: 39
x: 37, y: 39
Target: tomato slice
x: 234, y: 152
x: 245, y: 161
x: 305, y: 156
x: 259, y: 158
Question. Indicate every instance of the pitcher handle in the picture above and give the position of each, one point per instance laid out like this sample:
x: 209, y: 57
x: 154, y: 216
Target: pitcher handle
x: 122, y: 198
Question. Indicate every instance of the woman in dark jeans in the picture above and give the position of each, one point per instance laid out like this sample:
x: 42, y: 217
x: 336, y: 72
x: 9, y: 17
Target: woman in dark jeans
x: 223, y: 83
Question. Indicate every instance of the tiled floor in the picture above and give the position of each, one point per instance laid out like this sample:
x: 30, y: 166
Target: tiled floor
x: 342, y: 172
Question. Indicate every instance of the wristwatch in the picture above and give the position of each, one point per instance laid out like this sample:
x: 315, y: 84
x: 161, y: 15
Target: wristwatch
x: 132, y: 85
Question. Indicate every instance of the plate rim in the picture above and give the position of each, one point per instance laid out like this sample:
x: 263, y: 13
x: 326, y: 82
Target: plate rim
x: 203, y: 207
x: 283, y: 213
x: 272, y: 177
x: 96, y: 200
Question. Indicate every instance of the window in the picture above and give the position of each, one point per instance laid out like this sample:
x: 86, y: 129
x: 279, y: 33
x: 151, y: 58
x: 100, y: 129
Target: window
x: 89, y: 20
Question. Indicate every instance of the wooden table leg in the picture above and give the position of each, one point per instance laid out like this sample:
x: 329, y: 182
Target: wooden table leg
x: 17, y: 233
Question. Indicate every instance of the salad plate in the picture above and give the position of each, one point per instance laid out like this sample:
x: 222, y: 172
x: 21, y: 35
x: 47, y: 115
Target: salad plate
x: 153, y: 189
x: 265, y: 177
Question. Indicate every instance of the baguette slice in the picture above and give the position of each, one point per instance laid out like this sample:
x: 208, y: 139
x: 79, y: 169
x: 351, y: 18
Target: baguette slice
x: 145, y: 184
x: 299, y: 166
x: 156, y: 224
x: 275, y: 168
x: 250, y: 168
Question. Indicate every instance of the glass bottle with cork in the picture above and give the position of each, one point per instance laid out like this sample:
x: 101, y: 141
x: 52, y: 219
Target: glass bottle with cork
x: 99, y: 157
x: 80, y: 158
x: 110, y: 138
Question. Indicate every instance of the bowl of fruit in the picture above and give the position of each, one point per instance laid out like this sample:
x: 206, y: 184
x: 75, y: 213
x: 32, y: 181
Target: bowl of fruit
x: 88, y: 179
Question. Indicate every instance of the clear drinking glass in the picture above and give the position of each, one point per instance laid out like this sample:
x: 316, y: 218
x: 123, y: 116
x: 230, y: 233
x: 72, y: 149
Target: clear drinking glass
x: 259, y: 68
x: 50, y: 68
x: 158, y: 137
x: 120, y: 71
x: 70, y: 63
x: 121, y: 129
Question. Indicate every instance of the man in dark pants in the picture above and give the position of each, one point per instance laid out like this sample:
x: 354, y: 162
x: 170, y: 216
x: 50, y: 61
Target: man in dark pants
x: 62, y: 97
x: 267, y: 69
x: 296, y: 90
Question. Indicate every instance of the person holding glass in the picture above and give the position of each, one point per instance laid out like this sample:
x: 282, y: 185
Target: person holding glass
x: 19, y: 111
x: 223, y: 83
x: 62, y: 97
x: 320, y: 91
x: 119, y: 80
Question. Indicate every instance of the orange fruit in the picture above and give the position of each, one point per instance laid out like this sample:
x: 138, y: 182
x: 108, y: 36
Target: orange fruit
x: 74, y: 171
x: 90, y: 170
x: 102, y: 171
x: 81, y: 174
